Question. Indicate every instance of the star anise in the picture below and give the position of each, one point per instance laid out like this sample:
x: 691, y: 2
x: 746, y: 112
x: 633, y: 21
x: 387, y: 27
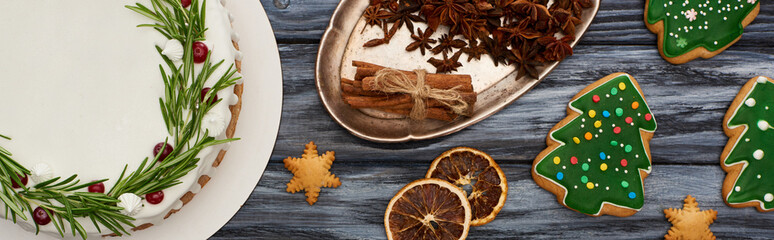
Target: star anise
x: 447, y: 64
x: 449, y: 11
x: 556, y: 49
x: 374, y: 15
x: 497, y: 48
x: 533, y: 9
x: 387, y: 36
x: 574, y: 6
x: 447, y: 44
x: 421, y: 41
x: 519, y: 32
x: 483, y: 5
x: 524, y: 56
x: 405, y: 14
x: 470, y: 27
x: 474, y: 50
x: 564, y: 20
x: 507, y: 11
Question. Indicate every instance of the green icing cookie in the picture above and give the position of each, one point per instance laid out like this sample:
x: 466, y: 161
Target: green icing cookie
x: 597, y: 156
x: 689, y: 24
x: 753, y: 147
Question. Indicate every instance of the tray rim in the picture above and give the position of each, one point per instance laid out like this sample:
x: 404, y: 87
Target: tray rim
x: 342, y: 12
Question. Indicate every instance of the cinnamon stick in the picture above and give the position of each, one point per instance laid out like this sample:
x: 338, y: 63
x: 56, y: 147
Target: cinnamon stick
x: 360, y: 92
x: 392, y: 100
x: 347, y: 86
x: 376, y: 102
x: 440, y: 81
x: 445, y: 82
x: 432, y: 113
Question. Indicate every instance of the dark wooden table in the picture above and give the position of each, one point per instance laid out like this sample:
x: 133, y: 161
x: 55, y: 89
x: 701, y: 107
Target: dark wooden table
x: 689, y: 101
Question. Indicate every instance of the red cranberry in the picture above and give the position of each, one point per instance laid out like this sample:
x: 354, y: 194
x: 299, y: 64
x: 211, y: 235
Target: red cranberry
x: 185, y: 3
x: 200, y: 51
x: 97, y: 188
x: 204, y: 94
x: 41, y: 216
x: 167, y: 149
x: 155, y: 197
x: 23, y: 181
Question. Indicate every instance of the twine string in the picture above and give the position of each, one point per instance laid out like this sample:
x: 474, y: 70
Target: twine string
x: 394, y: 81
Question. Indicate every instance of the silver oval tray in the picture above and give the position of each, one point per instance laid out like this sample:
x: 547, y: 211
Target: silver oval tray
x: 333, y: 47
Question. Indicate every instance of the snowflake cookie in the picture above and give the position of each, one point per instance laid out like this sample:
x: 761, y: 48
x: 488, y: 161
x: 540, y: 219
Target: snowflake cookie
x: 311, y: 172
x: 690, y: 222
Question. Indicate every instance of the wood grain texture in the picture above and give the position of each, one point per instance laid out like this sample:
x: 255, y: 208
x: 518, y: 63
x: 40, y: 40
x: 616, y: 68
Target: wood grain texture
x: 689, y: 102
x: 619, y: 22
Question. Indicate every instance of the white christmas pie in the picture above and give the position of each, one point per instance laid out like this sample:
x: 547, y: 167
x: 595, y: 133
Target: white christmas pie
x: 114, y: 113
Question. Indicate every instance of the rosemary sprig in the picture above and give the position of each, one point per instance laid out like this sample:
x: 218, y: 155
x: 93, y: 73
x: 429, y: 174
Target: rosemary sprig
x: 64, y: 199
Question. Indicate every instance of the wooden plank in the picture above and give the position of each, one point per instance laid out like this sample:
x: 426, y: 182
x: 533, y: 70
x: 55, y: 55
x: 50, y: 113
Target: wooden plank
x: 618, y: 22
x: 355, y: 210
x: 689, y: 102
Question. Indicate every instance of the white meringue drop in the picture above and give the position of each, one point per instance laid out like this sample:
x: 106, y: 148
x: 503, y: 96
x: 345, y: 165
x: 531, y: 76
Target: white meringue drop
x: 131, y: 203
x: 215, y: 122
x: 41, y: 172
x: 238, y: 55
x: 241, y: 78
x: 235, y: 36
x: 173, y: 49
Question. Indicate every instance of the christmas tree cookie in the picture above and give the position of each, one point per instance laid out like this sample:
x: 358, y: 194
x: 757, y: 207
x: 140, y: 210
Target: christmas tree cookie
x: 598, y: 156
x: 749, y: 155
x: 690, y: 29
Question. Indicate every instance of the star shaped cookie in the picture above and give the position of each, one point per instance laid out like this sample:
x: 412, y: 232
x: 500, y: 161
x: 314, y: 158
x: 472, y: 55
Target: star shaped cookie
x: 690, y: 222
x: 311, y: 172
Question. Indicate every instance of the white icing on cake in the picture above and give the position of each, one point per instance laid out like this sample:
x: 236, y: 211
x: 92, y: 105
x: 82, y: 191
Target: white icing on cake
x: 81, y: 87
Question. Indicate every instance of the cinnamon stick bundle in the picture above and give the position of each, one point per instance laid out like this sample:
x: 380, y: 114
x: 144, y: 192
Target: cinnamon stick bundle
x: 367, y: 91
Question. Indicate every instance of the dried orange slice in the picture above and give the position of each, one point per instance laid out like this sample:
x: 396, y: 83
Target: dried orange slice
x: 428, y: 209
x: 476, y: 172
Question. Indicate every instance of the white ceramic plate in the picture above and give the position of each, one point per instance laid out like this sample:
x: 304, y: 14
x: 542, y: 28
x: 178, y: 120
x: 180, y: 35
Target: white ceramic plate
x: 243, y: 166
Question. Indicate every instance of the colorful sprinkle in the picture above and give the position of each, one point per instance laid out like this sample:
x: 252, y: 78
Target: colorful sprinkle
x: 574, y: 160
x: 628, y: 148
x: 557, y: 160
x: 585, y: 166
x: 559, y: 176
x: 595, y: 98
x: 592, y: 113
x: 588, y: 136
x: 603, y: 167
x: 629, y: 120
x: 617, y: 130
x: 614, y: 91
x: 602, y: 155
x: 622, y: 86
x: 648, y: 117
x: 584, y: 179
x: 576, y: 140
x: 635, y: 105
x: 590, y: 185
x: 624, y: 162
x: 619, y: 112
x: 624, y: 184
x: 613, y: 143
x: 632, y: 195
x: 606, y: 114
x: 598, y: 124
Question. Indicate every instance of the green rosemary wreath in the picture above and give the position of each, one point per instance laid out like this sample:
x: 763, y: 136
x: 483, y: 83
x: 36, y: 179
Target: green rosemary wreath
x: 63, y: 199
